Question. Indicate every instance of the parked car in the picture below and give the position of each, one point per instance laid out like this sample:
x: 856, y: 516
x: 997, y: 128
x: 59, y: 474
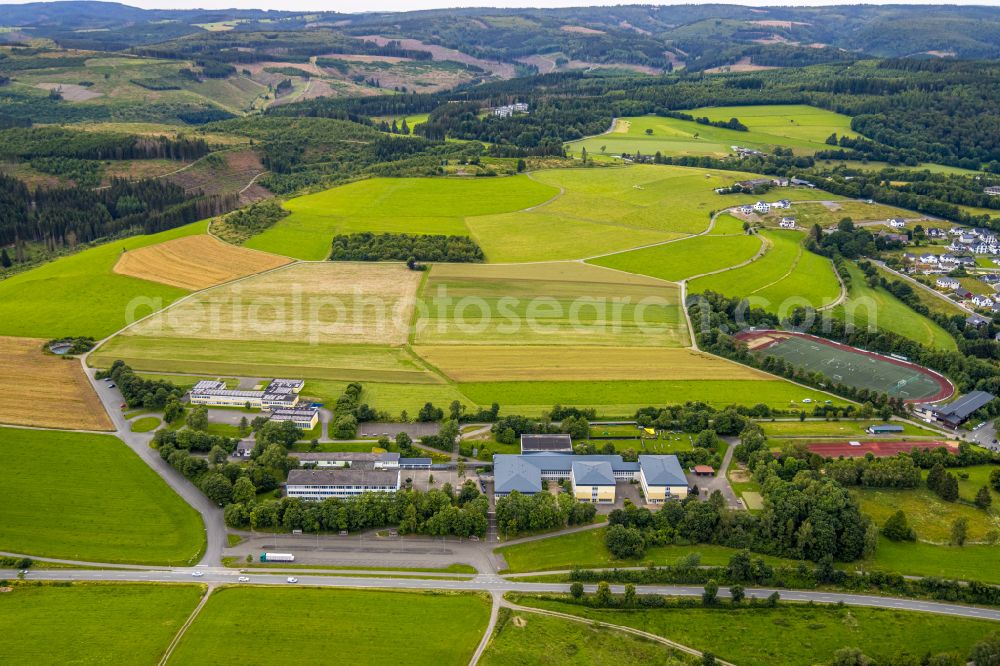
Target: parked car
x: 244, y: 579
x: 343, y: 532
x: 292, y: 579
x: 111, y: 385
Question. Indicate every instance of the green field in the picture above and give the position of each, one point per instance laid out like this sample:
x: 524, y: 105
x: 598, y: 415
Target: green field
x: 795, y: 634
x: 854, y: 368
x: 686, y: 258
x: 623, y: 398
x: 786, y: 275
x: 968, y: 562
x: 530, y: 638
x: 45, y: 302
x: 800, y: 127
x: 110, y: 506
x: 853, y: 429
x: 394, y: 205
x: 92, y: 623
x: 605, y: 210
x: 556, y: 303
x: 237, y: 626
x: 876, y: 307
x: 145, y: 424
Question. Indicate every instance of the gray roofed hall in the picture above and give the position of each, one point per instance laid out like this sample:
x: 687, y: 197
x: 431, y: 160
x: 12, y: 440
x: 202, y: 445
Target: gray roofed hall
x: 512, y: 473
x: 347, y: 456
x: 966, y: 406
x: 662, y: 471
x: 343, y: 477
x: 555, y: 442
x: 593, y: 473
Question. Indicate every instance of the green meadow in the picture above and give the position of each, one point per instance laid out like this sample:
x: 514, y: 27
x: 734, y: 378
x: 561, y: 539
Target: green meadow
x: 800, y: 127
x: 686, y: 258
x: 876, y: 307
x: 785, y: 271
x: 394, y: 205
x: 48, y: 301
x: 853, y: 429
x: 531, y: 638
x: 89, y: 497
x: 794, y: 633
x: 623, y: 398
x: 238, y: 625
x: 92, y: 623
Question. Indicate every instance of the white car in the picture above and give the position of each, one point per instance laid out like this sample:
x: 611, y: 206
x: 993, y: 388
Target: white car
x: 197, y: 574
x: 292, y: 580
x: 244, y: 579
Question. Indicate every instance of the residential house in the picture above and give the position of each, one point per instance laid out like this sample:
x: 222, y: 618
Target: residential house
x: 993, y: 191
x: 800, y: 181
x: 762, y: 207
x: 787, y: 223
x: 746, y: 210
x: 929, y: 259
x: 897, y: 223
x: 782, y: 203
x: 946, y: 283
x: 982, y: 301
x: 963, y: 293
x: 934, y: 232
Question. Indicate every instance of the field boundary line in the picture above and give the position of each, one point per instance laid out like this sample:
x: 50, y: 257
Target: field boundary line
x: 184, y: 627
x: 491, y: 626
x: 617, y: 627
x: 761, y: 251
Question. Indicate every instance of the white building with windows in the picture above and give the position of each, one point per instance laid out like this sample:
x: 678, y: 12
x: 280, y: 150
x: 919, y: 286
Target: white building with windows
x: 762, y: 207
x: 946, y: 283
x: 982, y: 301
x: 897, y: 223
x: 343, y: 483
x: 787, y: 223
x: 279, y: 393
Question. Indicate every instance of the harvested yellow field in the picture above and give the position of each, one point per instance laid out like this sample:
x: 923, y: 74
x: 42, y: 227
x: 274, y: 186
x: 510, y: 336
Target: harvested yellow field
x: 195, y: 262
x: 315, y: 303
x: 46, y: 391
x: 511, y: 363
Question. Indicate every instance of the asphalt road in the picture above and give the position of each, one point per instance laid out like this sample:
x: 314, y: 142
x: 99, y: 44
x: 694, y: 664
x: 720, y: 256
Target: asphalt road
x: 215, y: 528
x: 487, y: 583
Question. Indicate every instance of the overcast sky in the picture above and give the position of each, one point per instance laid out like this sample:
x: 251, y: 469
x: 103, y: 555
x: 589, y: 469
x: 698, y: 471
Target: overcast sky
x: 404, y: 5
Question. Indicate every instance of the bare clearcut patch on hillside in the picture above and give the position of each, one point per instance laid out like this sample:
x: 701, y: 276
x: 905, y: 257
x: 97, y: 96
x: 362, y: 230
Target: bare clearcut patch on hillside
x: 314, y: 303
x: 502, y: 69
x: 195, y: 262
x: 46, y: 391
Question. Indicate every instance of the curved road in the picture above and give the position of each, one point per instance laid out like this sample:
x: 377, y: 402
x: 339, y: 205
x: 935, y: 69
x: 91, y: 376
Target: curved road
x: 494, y: 584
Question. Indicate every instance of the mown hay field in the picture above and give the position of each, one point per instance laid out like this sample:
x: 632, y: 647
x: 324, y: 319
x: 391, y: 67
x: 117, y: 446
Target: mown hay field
x: 46, y: 391
x: 195, y: 262
x: 317, y: 303
x: 264, y: 358
x: 686, y: 258
x: 566, y: 363
x: 110, y: 507
x: 394, y: 205
x: 616, y: 399
x: 566, y: 303
x: 785, y: 271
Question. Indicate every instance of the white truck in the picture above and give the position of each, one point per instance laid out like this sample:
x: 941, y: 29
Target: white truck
x: 277, y: 557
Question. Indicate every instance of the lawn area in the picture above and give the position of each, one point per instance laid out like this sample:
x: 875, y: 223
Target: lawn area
x: 606, y: 210
x: 586, y: 549
x: 561, y: 303
x: 683, y: 259
x: 785, y: 275
x: 800, y: 127
x: 237, y: 626
x: 877, y: 308
x: 623, y: 398
x: 969, y: 562
x: 854, y: 429
x: 45, y: 302
x: 829, y: 214
x: 389, y: 397
x: 927, y: 513
x: 394, y: 205
x: 145, y: 424
x: 111, y: 506
x: 940, y: 305
x: 530, y: 638
x: 795, y: 634
x: 92, y: 623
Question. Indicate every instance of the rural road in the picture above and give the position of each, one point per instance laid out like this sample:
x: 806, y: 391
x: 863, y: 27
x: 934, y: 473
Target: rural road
x: 492, y: 583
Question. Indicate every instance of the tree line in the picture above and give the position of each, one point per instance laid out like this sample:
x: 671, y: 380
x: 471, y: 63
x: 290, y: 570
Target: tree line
x: 367, y: 246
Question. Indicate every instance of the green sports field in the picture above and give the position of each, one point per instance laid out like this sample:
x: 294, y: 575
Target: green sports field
x: 239, y: 625
x: 394, y: 205
x: 800, y: 127
x: 92, y: 623
x: 89, y: 497
x: 851, y: 368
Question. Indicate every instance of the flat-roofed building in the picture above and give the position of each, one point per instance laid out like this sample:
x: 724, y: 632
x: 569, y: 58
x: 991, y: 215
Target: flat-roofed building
x: 279, y: 393
x: 388, y: 460
x: 227, y: 398
x: 593, y: 481
x: 342, y: 483
x: 662, y: 478
x: 303, y: 417
x: 557, y: 443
